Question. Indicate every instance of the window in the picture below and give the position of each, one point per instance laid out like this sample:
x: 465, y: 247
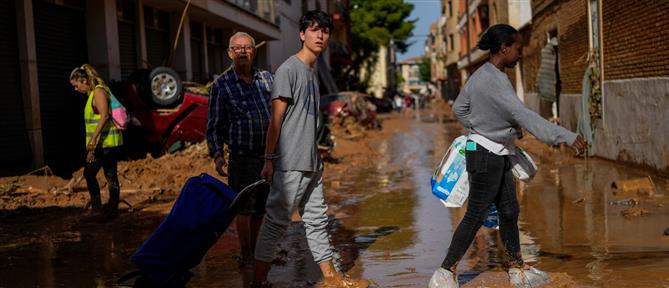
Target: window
x: 450, y: 8
x: 451, y: 42
x: 484, y: 17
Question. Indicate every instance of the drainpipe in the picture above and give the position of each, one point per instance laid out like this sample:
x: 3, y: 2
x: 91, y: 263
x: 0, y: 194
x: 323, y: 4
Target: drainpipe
x: 469, y: 44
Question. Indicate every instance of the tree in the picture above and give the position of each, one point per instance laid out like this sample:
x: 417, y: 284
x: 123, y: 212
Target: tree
x: 425, y: 69
x: 377, y: 23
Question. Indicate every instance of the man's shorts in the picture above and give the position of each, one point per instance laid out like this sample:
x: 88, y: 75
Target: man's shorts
x: 244, y: 169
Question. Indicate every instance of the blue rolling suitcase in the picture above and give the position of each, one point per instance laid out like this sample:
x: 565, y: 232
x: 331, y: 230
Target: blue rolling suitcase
x: 201, y: 214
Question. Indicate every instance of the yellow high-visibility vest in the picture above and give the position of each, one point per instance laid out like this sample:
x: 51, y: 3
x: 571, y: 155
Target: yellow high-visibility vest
x: 110, y: 136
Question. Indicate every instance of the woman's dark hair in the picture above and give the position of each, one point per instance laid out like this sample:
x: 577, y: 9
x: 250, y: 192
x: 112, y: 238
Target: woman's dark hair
x: 316, y: 17
x: 495, y: 36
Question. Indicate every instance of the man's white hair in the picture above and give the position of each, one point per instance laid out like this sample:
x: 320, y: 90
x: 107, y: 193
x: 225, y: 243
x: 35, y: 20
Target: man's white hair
x: 242, y: 34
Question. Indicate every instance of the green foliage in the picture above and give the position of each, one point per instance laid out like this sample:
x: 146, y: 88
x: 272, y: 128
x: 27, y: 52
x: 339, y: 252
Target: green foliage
x: 399, y: 79
x: 377, y: 23
x: 425, y: 69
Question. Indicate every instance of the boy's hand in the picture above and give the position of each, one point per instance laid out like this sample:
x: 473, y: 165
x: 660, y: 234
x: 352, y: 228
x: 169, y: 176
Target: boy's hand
x: 267, y: 171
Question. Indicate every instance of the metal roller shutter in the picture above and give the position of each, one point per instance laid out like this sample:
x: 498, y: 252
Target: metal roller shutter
x: 127, y: 37
x: 60, y: 35
x: 218, y: 58
x: 157, y: 35
x: 197, y: 52
x: 127, y: 45
x: 15, y: 147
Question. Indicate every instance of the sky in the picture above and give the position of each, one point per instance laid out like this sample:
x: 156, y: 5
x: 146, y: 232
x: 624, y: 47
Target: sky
x: 426, y: 11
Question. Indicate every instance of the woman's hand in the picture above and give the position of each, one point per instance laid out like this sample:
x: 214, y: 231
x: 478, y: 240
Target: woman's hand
x: 90, y: 157
x: 91, y: 145
x: 579, y: 145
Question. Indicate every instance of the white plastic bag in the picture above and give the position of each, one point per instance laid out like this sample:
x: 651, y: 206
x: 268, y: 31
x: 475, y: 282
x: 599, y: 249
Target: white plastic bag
x: 450, y: 182
x: 523, y: 166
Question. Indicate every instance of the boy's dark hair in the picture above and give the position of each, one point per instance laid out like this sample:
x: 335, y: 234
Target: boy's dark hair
x: 496, y: 36
x: 316, y: 17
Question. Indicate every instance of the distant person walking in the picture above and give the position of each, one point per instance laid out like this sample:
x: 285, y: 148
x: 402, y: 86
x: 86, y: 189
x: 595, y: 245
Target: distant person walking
x: 103, y: 140
x: 293, y: 165
x: 239, y: 112
x: 493, y: 116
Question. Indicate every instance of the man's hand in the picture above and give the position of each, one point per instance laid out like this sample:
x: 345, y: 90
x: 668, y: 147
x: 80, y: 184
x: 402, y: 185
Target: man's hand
x: 579, y: 145
x: 219, y: 162
x: 267, y: 171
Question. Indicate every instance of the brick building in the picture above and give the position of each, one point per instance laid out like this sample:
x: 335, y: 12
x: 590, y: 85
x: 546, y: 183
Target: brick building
x: 631, y: 53
x: 474, y: 17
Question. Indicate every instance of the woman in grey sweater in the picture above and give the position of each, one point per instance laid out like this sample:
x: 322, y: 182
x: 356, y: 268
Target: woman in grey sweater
x: 492, y: 114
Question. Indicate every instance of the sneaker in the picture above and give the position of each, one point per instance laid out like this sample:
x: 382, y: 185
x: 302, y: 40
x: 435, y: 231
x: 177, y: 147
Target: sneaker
x: 443, y: 278
x: 528, y: 277
x: 343, y: 281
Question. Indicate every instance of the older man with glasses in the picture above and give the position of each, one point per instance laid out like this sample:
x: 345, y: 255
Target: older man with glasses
x: 239, y: 111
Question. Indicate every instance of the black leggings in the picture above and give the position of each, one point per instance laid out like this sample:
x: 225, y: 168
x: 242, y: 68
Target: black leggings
x: 490, y: 181
x: 105, y: 158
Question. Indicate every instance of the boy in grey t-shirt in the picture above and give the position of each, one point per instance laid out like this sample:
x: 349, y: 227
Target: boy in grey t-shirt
x: 293, y: 166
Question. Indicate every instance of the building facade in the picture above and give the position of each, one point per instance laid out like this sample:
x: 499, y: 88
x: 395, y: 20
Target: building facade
x: 453, y: 46
x: 632, y: 108
x: 473, y: 18
x: 41, y: 115
x: 436, y: 52
x: 627, y: 101
x: 410, y: 70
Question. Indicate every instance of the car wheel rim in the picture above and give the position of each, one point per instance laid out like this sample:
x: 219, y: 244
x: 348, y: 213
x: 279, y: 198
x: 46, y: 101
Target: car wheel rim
x: 164, y: 86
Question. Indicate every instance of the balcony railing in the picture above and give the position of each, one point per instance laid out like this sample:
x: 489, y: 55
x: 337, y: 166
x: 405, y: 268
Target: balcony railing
x: 265, y: 9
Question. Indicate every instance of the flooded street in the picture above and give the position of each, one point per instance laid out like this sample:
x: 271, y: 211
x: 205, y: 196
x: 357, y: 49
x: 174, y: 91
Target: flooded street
x: 386, y: 225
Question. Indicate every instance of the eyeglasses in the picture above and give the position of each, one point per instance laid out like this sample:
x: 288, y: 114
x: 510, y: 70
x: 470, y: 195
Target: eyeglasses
x: 238, y: 49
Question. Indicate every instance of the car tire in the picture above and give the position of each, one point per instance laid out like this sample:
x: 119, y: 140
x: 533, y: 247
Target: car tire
x: 165, y: 86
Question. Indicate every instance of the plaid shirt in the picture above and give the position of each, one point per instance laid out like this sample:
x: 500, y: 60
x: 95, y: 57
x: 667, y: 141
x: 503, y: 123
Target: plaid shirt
x: 239, y: 112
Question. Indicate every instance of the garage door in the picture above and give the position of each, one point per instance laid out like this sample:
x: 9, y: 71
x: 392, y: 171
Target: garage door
x: 60, y: 36
x: 218, y: 58
x: 14, y: 148
x: 127, y: 37
x: 197, y: 52
x: 157, y: 35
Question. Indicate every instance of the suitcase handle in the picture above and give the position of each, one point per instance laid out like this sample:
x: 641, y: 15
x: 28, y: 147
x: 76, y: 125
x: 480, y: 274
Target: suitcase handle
x: 244, y: 192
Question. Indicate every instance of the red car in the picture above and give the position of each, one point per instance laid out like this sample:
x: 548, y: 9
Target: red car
x: 159, y: 130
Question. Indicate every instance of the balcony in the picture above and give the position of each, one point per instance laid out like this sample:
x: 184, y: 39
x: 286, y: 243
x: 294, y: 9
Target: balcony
x: 265, y: 9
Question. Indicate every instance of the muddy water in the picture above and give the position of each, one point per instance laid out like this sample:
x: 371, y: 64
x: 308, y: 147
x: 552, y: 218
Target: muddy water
x: 570, y: 220
x: 53, y: 249
x: 387, y: 228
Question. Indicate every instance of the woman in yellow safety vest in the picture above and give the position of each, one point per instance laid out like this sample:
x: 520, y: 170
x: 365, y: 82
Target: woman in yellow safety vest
x: 103, y: 140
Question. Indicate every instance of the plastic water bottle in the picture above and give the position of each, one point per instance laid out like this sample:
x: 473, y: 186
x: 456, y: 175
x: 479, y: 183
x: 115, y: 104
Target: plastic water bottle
x: 492, y: 220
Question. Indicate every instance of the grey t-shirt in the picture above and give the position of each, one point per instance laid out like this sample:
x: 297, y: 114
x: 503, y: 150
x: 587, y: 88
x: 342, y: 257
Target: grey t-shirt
x: 297, y: 142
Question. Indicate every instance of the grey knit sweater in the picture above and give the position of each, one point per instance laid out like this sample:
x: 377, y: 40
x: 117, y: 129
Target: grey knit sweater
x: 488, y: 106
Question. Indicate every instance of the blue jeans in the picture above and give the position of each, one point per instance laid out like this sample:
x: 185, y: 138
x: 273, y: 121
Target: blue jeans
x: 490, y: 181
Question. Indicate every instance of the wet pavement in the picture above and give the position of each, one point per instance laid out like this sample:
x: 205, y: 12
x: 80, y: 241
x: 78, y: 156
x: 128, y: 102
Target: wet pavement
x: 386, y: 227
